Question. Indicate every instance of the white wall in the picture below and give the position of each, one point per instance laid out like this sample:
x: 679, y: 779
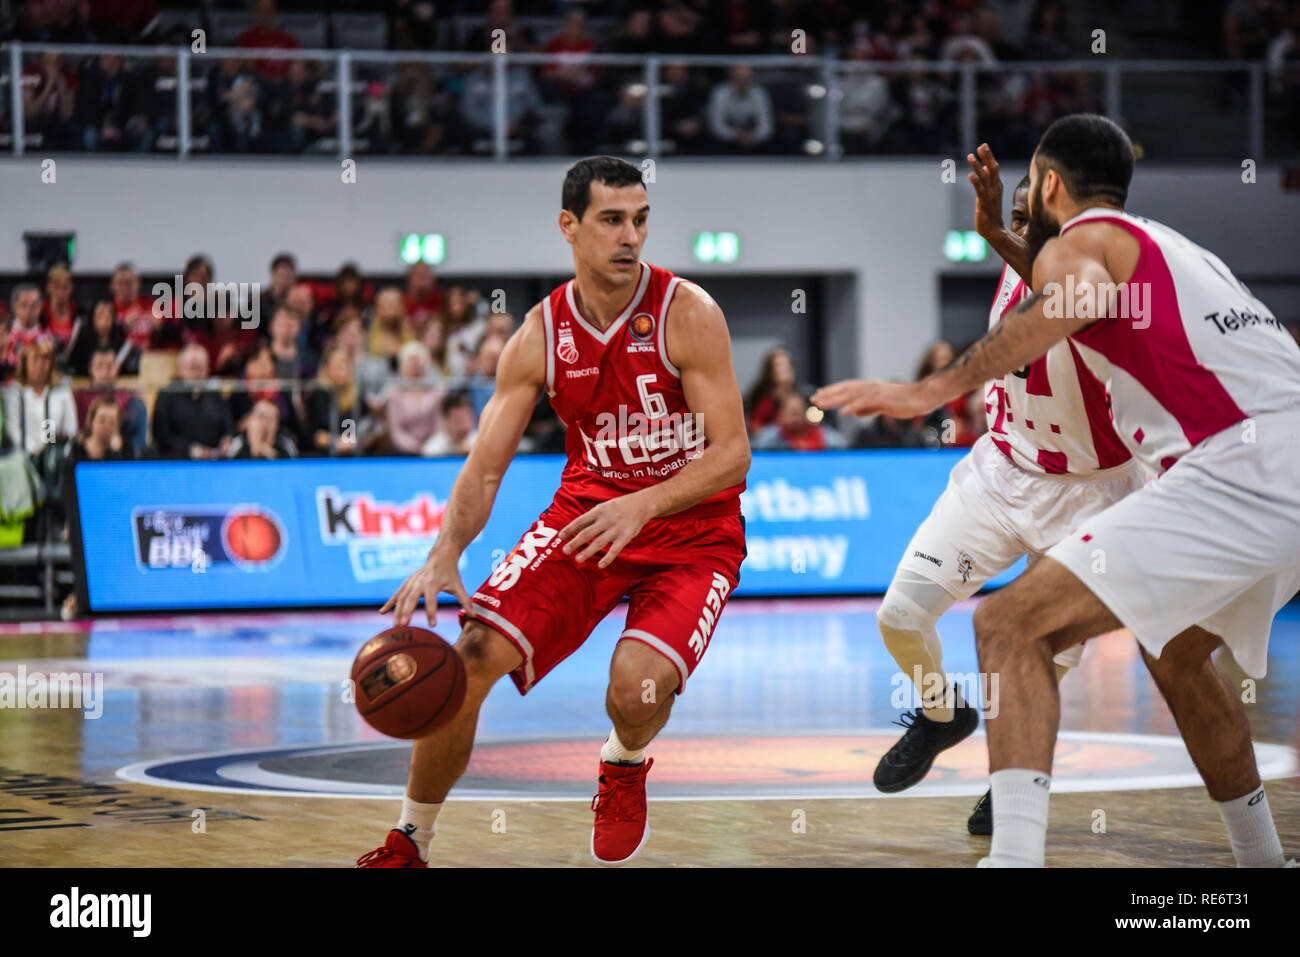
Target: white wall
x: 882, y: 222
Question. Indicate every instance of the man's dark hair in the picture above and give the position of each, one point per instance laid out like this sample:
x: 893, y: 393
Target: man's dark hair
x: 197, y: 260
x: 610, y: 170
x: 1092, y: 155
x: 283, y: 259
x: 456, y: 399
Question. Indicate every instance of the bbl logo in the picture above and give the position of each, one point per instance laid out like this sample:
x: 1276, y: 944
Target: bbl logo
x: 965, y: 565
x: 643, y: 326
x: 568, y: 349
x: 246, y: 536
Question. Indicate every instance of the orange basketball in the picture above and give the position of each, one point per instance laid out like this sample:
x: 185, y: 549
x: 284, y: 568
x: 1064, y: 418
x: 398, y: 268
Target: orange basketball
x: 408, y: 682
x: 252, y: 537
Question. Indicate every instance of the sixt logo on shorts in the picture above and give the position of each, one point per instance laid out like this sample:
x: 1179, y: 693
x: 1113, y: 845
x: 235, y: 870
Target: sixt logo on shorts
x: 528, y: 553
x: 709, y: 616
x: 385, y: 540
x: 195, y: 539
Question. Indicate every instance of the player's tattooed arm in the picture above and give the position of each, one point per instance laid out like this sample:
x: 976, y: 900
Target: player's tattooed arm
x: 987, y: 180
x: 1022, y: 335
x: 521, y: 374
x: 700, y: 347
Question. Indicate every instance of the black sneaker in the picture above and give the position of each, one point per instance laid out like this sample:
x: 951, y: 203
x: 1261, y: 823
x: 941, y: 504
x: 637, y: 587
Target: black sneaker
x: 908, y: 761
x: 981, y: 819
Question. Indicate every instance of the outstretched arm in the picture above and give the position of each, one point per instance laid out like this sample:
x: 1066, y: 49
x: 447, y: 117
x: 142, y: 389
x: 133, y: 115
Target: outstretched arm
x: 987, y: 180
x: 1022, y: 335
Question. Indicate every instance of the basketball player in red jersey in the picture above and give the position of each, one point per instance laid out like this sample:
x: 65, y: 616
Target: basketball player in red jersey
x: 637, y: 362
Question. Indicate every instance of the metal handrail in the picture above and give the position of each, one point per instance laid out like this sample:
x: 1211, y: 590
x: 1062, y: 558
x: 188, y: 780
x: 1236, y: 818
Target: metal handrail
x: 826, y: 70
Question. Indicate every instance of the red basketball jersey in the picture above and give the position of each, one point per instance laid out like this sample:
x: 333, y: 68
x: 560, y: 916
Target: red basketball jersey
x: 621, y: 398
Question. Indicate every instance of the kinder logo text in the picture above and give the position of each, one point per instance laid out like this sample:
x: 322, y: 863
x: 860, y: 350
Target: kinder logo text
x: 82, y: 690
x: 350, y: 515
x: 532, y: 549
x: 131, y: 911
x: 709, y: 615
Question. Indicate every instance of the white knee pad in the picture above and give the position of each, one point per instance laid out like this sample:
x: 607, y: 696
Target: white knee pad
x: 912, y: 603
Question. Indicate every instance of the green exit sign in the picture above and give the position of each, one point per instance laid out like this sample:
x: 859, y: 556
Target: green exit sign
x: 428, y: 248
x: 965, y: 246
x: 716, y: 247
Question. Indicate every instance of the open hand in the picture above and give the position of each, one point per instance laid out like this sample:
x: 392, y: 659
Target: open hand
x: 608, y: 527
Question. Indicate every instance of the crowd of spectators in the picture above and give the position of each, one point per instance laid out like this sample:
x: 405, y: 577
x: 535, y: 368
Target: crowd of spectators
x: 572, y: 107
x: 778, y: 414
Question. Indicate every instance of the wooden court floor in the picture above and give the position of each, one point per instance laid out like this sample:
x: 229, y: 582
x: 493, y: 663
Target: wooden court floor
x: 61, y: 802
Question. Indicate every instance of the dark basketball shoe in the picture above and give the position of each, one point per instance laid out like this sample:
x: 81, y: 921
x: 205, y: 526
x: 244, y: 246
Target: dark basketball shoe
x: 981, y: 819
x: 398, y: 851
x: 908, y: 761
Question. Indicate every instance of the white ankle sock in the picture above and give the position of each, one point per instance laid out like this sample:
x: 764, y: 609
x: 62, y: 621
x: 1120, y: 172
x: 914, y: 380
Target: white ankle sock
x: 417, y: 821
x: 613, y: 750
x: 1020, y: 798
x: 1250, y: 830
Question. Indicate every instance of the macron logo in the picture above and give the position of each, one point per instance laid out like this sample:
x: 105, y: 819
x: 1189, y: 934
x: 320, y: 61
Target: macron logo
x: 103, y: 910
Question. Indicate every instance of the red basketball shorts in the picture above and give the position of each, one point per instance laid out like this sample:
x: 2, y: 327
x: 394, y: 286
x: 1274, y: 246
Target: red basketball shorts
x: 677, y: 575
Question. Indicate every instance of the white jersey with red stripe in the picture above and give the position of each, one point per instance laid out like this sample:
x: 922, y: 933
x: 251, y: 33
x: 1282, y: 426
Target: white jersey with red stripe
x: 1053, y: 416
x: 1188, y: 351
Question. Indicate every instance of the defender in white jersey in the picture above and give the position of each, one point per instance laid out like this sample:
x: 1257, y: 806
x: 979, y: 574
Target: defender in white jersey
x: 1205, y: 385
x: 1049, y: 459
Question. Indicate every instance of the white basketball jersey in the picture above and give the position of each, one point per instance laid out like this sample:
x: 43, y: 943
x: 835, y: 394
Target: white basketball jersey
x: 1053, y: 416
x: 1187, y: 351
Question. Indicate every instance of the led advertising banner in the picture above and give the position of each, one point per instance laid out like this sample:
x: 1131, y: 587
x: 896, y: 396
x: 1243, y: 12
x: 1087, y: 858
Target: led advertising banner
x: 247, y: 534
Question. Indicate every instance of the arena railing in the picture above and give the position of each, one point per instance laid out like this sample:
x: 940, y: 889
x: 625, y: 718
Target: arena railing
x: 823, y: 90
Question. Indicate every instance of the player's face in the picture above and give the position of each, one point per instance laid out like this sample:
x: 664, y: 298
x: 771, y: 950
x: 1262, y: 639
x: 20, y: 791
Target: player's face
x: 1020, y: 212
x: 1042, y: 224
x: 609, y: 237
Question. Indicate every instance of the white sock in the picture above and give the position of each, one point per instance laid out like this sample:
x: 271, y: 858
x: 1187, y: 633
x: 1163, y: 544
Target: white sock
x: 1250, y: 830
x: 417, y: 821
x: 613, y: 750
x: 1020, y: 797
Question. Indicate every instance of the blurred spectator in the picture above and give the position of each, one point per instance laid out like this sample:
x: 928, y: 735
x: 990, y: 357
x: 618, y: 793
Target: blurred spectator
x: 776, y: 378
x: 262, y: 437
x: 678, y: 27
x: 515, y: 37
x: 226, y: 340
x: 101, y: 438
x: 25, y: 304
x: 236, y: 121
x: 422, y: 110
x: 284, y: 274
x: 464, y: 328
x: 798, y: 428
x: 291, y: 361
x: 679, y: 108
x: 308, y: 114
x: 111, y: 114
x: 102, y: 332
x: 576, y: 83
x: 389, y: 328
x: 637, y: 33
x: 422, y: 294
x: 264, y: 35
x: 38, y: 410
x: 1047, y: 33
x: 316, y: 328
x: 61, y: 314
x: 1248, y: 25
x: 133, y: 418
x: 8, y: 359
x: 740, y: 112
x: 952, y: 423
x: 1284, y: 71
x: 964, y: 43
x: 190, y: 418
x: 544, y: 432
x: 260, y: 384
x: 867, y: 110
x: 484, y: 380
x: 459, y: 427
x: 523, y: 109
x: 49, y: 102
x: 885, y: 432
x: 133, y: 310
x: 743, y: 25
x: 333, y: 408
x: 434, y: 337
x: 412, y: 412
x: 349, y: 291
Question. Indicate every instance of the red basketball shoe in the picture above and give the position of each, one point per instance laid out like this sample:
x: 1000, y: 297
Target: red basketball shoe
x: 398, y: 851
x: 620, y: 829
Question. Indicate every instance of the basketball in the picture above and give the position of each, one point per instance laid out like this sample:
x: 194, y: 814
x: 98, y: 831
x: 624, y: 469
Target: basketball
x: 408, y: 682
x: 252, y: 537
